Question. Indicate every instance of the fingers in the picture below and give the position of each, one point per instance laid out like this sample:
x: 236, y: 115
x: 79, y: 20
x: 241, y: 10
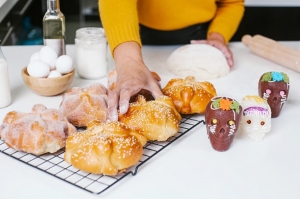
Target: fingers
x: 116, y: 101
x: 198, y: 42
x: 230, y: 60
x: 113, y: 99
x: 125, y: 95
x: 128, y: 86
x: 156, y: 92
x: 227, y: 53
x: 124, y: 104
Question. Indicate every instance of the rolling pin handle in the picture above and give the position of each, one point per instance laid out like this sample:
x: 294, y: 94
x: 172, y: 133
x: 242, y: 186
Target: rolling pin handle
x: 246, y: 39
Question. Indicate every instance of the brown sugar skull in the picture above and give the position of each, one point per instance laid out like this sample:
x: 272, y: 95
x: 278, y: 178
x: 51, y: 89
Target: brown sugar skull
x: 222, y: 117
x: 274, y: 87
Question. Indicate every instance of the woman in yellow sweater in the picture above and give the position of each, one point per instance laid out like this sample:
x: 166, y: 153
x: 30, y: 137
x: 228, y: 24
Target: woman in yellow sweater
x: 130, y: 23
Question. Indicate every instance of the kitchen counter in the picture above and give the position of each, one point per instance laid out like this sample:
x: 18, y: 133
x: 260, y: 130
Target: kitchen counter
x: 189, y: 167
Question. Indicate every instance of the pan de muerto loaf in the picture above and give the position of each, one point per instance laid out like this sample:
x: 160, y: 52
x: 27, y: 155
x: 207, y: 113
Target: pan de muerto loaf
x: 83, y: 105
x: 41, y: 131
x: 189, y: 95
x: 156, y: 120
x: 104, y: 148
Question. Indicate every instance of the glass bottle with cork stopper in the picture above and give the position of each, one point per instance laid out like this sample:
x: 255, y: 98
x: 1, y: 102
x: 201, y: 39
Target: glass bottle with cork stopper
x: 54, y: 31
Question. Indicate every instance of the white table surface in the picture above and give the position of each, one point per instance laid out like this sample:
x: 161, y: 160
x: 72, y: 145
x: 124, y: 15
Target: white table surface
x: 189, y: 167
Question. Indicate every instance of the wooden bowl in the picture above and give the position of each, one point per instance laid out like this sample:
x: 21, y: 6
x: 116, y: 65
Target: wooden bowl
x: 48, y: 86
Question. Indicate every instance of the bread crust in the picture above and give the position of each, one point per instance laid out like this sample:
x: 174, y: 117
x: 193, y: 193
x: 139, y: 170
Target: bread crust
x: 84, y: 105
x: 189, y: 95
x: 40, y: 131
x: 155, y: 119
x: 104, y: 148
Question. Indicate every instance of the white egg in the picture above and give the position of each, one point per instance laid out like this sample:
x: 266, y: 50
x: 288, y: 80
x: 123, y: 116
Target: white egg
x: 48, y: 55
x: 54, y: 73
x: 35, y: 56
x: 38, y: 68
x: 64, y: 64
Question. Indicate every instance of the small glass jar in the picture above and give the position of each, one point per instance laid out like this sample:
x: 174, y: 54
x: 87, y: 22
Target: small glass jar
x: 91, y: 53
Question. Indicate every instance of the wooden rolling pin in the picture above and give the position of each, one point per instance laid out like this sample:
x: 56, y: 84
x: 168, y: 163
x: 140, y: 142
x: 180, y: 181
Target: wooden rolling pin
x: 273, y: 51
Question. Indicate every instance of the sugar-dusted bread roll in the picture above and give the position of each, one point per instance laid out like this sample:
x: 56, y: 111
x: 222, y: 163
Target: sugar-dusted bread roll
x: 156, y: 120
x: 40, y: 131
x: 83, y: 105
x: 189, y: 95
x: 104, y: 148
x: 202, y: 61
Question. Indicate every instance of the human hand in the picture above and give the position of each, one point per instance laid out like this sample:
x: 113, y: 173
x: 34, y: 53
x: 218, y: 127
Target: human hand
x: 133, y: 77
x: 217, y: 40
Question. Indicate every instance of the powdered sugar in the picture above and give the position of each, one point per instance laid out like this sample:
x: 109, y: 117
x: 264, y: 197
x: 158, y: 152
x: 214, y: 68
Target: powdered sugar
x: 83, y: 105
x: 40, y: 131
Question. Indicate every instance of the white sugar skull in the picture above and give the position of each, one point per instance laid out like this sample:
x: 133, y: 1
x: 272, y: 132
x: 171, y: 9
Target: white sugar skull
x: 256, y: 117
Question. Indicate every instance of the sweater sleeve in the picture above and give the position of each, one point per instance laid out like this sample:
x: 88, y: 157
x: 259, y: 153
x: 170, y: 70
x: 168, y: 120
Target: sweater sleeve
x: 228, y: 17
x: 120, y: 21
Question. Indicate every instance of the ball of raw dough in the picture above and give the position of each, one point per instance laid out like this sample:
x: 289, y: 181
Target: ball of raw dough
x: 202, y: 61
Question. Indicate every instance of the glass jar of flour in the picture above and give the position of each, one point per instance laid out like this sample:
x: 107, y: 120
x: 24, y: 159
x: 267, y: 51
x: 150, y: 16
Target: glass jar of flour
x: 91, y: 53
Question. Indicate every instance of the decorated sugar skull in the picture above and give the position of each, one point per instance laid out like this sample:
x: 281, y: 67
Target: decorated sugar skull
x: 222, y: 118
x: 256, y: 117
x: 274, y: 87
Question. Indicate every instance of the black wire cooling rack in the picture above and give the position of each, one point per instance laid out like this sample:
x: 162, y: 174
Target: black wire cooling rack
x: 55, y: 165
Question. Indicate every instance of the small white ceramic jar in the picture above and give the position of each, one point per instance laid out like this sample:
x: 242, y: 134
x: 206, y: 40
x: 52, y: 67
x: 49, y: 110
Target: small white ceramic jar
x: 91, y: 53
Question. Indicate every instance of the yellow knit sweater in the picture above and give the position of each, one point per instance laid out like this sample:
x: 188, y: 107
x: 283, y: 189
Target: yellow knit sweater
x: 120, y: 18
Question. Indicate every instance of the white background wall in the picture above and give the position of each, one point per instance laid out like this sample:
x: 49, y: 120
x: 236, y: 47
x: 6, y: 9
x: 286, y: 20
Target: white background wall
x: 272, y: 2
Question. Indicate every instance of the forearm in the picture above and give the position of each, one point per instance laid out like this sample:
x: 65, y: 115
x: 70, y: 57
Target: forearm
x: 126, y: 54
